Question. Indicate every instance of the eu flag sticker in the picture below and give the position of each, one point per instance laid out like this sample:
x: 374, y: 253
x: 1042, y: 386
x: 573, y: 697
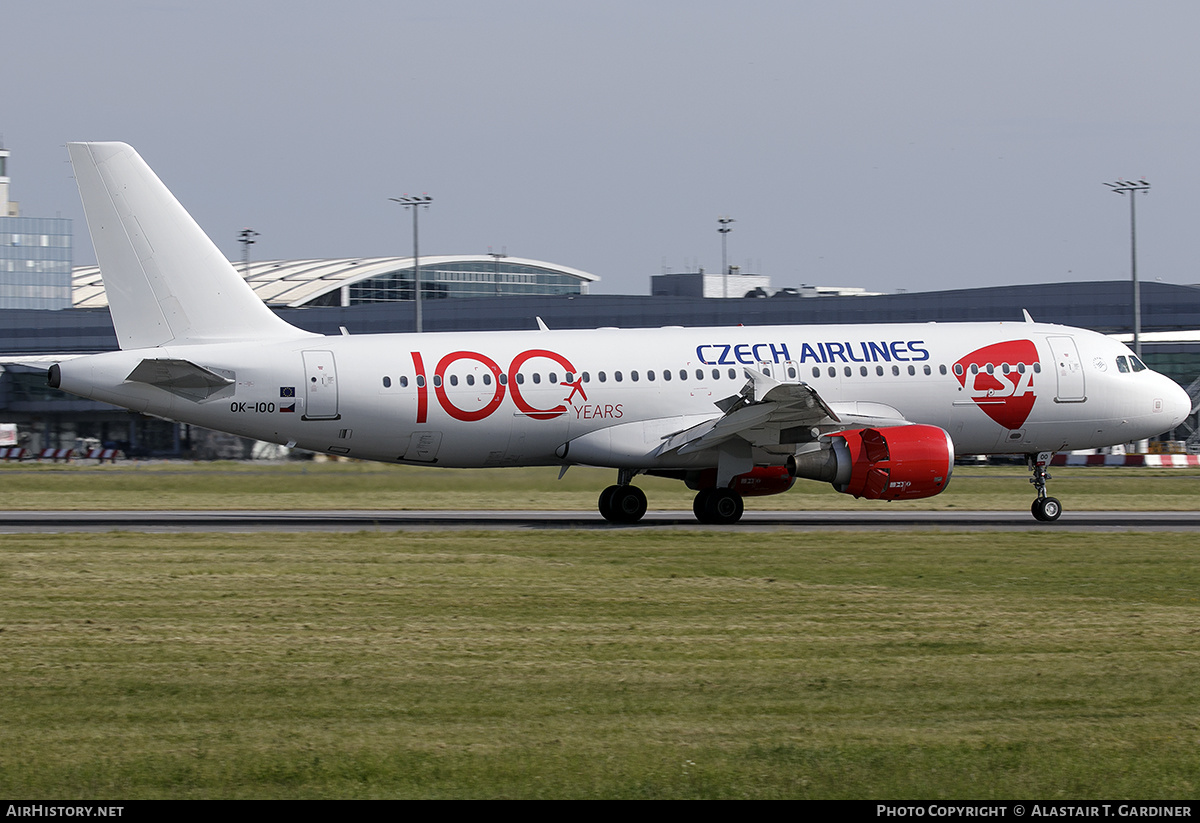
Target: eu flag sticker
x: 287, y: 391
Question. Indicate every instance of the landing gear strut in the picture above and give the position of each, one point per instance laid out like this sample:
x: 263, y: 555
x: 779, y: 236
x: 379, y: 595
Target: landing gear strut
x: 1045, y: 509
x: 718, y: 507
x: 623, y: 503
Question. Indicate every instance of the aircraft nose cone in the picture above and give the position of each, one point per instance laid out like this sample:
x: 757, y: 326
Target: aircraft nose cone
x: 1178, y: 404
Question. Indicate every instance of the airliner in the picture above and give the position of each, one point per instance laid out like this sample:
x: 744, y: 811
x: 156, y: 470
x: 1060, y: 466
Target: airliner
x: 879, y: 411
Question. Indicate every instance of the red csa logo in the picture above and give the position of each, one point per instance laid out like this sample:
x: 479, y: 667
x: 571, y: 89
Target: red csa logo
x: 1000, y: 380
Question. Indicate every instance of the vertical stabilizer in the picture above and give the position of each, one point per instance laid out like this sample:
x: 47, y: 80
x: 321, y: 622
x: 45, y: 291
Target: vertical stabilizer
x: 166, y: 281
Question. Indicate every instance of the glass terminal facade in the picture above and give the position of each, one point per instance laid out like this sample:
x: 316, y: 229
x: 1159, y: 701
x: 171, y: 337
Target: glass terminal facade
x: 455, y: 279
x: 35, y: 263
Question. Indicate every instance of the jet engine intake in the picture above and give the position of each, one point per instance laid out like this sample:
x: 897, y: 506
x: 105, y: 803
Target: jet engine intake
x: 886, y: 463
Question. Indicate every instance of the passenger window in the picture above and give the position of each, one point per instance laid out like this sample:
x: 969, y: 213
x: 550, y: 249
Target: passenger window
x: 930, y: 371
x: 732, y: 374
x: 437, y: 380
x: 387, y: 382
x: 420, y: 381
x: 650, y: 375
x: 895, y: 371
x: 537, y: 377
x: 912, y: 370
x: 700, y: 374
x: 958, y: 369
x: 470, y: 380
x: 862, y: 370
x: 403, y: 382
x: 1037, y: 368
x: 553, y: 378
x: 487, y: 379
x: 816, y: 372
x: 683, y: 374
x: 633, y: 375
x: 587, y: 378
x: 942, y: 369
x: 503, y: 379
x: 847, y: 371
x: 617, y: 376
x: 454, y: 380
x: 520, y: 379
x: 716, y: 374
x: 832, y: 371
x: 603, y: 377
x: 791, y: 373
x: 667, y: 375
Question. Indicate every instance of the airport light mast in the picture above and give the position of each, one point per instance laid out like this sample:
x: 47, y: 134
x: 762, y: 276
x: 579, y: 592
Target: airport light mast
x: 1132, y: 187
x: 246, y: 238
x: 724, y: 229
x: 497, y: 255
x: 415, y: 204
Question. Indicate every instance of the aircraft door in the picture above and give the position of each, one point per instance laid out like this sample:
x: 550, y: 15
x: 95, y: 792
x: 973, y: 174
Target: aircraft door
x: 320, y: 386
x: 1069, y: 370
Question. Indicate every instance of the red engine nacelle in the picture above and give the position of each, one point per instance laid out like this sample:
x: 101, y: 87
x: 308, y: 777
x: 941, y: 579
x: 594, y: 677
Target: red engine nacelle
x: 758, y: 482
x: 763, y: 480
x: 890, y: 463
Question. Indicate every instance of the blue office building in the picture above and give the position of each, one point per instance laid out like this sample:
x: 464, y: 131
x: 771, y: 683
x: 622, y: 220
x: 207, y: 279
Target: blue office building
x: 35, y: 255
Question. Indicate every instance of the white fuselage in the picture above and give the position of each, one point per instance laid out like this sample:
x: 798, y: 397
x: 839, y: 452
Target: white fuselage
x: 519, y: 398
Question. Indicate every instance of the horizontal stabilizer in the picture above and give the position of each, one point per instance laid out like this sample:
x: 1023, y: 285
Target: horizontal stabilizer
x: 180, y: 377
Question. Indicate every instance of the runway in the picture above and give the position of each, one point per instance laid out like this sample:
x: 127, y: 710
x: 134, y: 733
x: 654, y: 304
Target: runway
x: 23, y: 522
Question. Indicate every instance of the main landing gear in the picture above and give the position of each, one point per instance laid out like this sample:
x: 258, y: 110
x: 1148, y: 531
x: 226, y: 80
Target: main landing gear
x: 718, y: 507
x: 623, y: 503
x: 1045, y: 509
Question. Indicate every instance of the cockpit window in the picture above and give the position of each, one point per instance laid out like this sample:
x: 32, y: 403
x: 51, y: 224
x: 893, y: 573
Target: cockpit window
x: 1122, y: 364
x: 1138, y: 365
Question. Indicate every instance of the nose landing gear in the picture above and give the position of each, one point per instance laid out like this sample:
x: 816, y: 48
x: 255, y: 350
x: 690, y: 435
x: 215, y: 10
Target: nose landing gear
x: 1046, y: 509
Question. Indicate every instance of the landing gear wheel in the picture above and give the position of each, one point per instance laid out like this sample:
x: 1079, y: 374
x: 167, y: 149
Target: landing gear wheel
x: 718, y: 507
x: 605, y: 505
x: 1046, y: 509
x: 622, y: 504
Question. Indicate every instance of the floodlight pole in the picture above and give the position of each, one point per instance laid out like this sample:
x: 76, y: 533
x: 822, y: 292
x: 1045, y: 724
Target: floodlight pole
x: 1132, y: 187
x: 724, y: 229
x: 246, y: 238
x: 497, y: 255
x: 415, y: 203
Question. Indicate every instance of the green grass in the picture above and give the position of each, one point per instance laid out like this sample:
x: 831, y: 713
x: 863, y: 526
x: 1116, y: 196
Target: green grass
x: 355, y: 485
x: 600, y: 664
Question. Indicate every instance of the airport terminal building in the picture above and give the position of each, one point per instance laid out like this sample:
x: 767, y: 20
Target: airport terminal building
x: 485, y: 292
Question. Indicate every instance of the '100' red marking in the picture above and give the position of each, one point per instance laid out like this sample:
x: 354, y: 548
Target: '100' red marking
x: 499, y: 387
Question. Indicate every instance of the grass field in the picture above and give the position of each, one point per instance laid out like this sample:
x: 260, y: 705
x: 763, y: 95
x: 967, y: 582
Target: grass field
x: 355, y: 485
x: 600, y: 664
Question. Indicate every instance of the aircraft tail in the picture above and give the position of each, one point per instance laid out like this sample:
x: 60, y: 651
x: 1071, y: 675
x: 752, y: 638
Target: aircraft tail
x: 167, y: 282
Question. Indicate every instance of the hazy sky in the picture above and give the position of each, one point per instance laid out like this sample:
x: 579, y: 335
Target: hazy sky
x: 890, y: 145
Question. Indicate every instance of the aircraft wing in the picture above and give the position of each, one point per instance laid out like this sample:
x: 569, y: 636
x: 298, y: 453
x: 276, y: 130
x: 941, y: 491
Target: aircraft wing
x: 769, y: 413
